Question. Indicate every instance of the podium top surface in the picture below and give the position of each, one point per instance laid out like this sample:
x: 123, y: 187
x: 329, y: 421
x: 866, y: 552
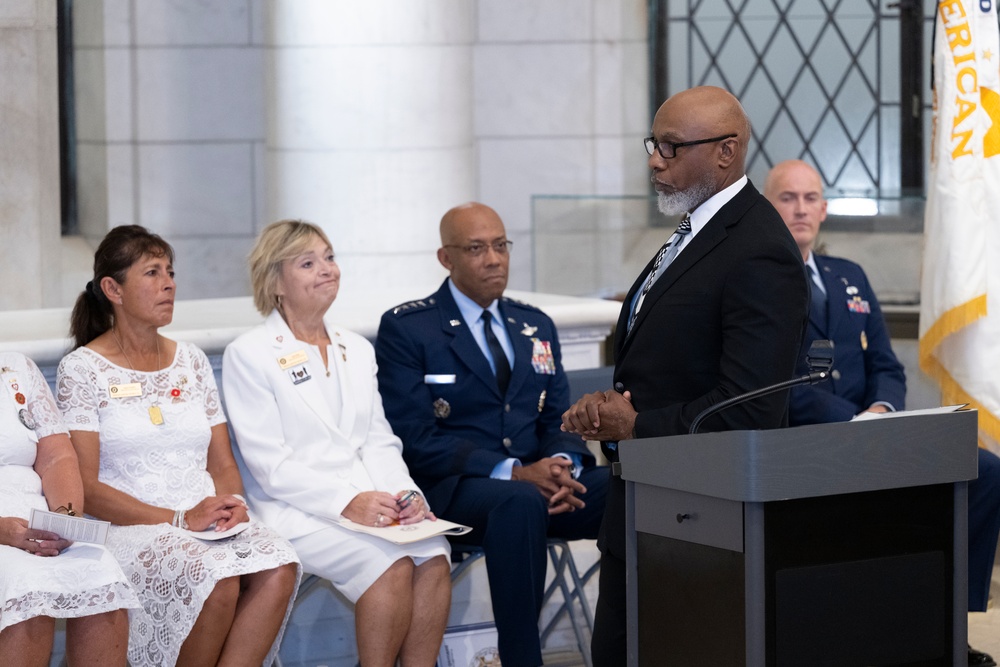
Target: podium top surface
x: 810, y: 461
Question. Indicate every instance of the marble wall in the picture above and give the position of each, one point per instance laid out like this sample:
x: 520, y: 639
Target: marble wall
x: 204, y: 121
x: 170, y: 127
x: 29, y: 155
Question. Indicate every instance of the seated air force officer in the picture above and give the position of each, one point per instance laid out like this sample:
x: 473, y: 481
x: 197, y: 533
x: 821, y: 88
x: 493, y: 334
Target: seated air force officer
x: 867, y: 375
x: 303, y: 399
x: 473, y: 385
x: 843, y: 308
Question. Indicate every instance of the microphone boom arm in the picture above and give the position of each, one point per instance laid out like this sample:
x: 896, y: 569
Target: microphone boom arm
x: 820, y: 360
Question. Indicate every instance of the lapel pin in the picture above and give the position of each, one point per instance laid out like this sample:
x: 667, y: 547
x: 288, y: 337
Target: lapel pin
x: 455, y: 323
x: 529, y: 330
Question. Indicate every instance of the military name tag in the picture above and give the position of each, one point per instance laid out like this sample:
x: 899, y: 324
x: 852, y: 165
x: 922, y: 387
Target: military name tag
x: 294, y: 359
x: 439, y: 378
x: 125, y: 390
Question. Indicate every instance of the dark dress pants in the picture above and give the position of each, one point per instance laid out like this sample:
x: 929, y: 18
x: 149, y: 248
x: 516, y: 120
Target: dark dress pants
x: 510, y: 520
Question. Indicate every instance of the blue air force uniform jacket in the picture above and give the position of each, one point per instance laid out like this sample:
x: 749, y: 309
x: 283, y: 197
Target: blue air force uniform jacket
x: 865, y: 368
x: 442, y: 399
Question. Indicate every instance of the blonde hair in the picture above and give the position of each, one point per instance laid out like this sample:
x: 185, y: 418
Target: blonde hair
x: 277, y: 242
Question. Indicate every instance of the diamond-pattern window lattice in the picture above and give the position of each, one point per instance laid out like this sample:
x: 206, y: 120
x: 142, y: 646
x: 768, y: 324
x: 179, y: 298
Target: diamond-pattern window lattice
x: 807, y: 72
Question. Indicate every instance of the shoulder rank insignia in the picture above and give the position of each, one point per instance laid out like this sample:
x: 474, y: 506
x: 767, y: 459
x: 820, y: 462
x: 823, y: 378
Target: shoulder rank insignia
x: 413, y: 306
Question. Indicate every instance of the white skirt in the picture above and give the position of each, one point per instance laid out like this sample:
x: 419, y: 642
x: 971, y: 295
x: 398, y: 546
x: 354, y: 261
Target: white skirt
x: 353, y: 561
x: 81, y: 581
x: 174, y: 573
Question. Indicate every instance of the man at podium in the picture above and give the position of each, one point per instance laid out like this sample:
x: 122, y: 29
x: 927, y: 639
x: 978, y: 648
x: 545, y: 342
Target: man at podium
x: 719, y: 311
x: 867, y: 376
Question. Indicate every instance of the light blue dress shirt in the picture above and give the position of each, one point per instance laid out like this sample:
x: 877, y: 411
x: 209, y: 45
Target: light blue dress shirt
x: 472, y: 314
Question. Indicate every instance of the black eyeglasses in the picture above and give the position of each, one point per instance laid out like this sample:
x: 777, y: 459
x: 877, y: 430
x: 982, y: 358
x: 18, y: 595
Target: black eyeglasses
x: 652, y: 144
x: 477, y: 249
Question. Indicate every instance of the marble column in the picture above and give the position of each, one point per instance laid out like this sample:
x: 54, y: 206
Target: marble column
x: 29, y: 155
x: 370, y: 131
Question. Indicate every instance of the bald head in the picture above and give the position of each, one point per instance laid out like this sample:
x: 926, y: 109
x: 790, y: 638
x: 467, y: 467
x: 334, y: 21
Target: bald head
x: 474, y: 250
x: 457, y: 221
x: 795, y: 189
x: 709, y: 111
x: 699, y: 170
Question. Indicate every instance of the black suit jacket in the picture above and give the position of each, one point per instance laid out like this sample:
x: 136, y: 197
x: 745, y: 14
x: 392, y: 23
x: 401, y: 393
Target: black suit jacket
x: 726, y: 317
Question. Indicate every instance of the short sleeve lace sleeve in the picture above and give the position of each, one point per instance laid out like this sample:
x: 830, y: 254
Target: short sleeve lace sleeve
x: 205, y: 377
x: 75, y: 393
x: 30, y: 394
x: 41, y: 404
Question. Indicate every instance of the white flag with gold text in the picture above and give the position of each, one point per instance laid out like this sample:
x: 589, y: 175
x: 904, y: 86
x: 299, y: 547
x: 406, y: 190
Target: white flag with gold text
x: 960, y: 285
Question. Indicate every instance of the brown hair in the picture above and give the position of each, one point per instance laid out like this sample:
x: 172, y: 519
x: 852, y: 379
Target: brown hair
x: 277, y: 242
x: 121, y: 248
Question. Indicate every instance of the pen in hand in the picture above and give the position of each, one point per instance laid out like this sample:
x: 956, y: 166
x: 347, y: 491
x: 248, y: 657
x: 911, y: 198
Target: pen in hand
x: 405, y: 500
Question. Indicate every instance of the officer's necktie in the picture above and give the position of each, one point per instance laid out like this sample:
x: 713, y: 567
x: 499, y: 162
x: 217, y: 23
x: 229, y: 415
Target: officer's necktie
x: 500, y: 361
x: 666, y: 255
x: 817, y: 299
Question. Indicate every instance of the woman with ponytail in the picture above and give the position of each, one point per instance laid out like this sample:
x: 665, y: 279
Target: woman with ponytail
x: 148, y: 428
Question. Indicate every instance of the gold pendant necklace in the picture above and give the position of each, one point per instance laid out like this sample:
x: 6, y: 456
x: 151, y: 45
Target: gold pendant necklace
x: 155, y: 414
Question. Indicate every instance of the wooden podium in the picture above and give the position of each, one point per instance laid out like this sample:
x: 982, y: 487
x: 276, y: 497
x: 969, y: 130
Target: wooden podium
x: 836, y: 544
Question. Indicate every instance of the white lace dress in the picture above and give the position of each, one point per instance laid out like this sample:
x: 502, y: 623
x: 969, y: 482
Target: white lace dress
x: 163, y: 465
x: 84, y: 579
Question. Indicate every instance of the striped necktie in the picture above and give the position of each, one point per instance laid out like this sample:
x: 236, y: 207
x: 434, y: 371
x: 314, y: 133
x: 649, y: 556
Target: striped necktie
x: 666, y: 255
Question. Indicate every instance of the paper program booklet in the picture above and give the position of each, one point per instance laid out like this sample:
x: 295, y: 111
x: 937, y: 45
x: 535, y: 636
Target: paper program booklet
x: 944, y: 409
x: 414, y: 532
x: 211, y: 534
x: 75, y: 528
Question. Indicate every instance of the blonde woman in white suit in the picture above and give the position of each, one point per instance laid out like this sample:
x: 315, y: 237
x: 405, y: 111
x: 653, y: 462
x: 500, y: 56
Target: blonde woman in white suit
x: 303, y: 399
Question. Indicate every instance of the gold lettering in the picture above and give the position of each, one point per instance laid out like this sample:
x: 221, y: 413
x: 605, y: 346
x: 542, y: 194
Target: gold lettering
x: 963, y: 144
x: 963, y: 75
x: 959, y: 36
x: 965, y: 109
x: 951, y: 8
x: 966, y: 58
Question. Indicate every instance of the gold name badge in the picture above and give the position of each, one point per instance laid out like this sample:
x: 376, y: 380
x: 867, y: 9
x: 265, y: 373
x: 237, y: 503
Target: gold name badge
x: 125, y: 390
x: 293, y: 359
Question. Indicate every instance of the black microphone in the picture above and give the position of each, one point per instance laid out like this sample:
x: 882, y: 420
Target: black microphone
x: 820, y: 360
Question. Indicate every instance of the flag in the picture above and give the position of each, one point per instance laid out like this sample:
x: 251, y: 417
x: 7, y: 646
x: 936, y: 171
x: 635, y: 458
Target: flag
x: 960, y: 286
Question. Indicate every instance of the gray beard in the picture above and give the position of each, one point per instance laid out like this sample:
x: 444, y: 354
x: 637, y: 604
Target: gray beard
x: 676, y: 203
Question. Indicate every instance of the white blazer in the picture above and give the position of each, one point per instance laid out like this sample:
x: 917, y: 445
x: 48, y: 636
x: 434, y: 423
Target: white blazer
x: 304, y: 466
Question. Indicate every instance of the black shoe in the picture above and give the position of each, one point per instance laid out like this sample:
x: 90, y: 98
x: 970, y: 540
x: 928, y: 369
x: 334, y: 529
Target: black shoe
x: 980, y: 659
